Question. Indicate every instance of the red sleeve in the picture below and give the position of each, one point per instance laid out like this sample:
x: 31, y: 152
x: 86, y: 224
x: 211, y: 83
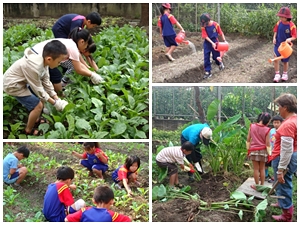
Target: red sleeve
x: 159, y: 22
x: 116, y: 217
x: 75, y: 217
x: 84, y: 155
x: 293, y: 30
x: 203, y: 31
x: 122, y: 173
x: 172, y: 19
x: 64, y: 194
x: 276, y: 27
x: 218, y: 28
x: 98, y: 150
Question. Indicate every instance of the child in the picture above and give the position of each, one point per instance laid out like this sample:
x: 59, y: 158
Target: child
x: 58, y: 200
x: 284, y: 30
x: 88, y: 55
x: 168, y: 157
x: 13, y: 172
x: 276, y: 120
x: 258, y: 146
x: 32, y: 71
x: 78, y: 41
x: 103, y: 199
x: 165, y: 23
x: 127, y: 173
x: 94, y: 159
x: 65, y: 24
x: 210, y: 32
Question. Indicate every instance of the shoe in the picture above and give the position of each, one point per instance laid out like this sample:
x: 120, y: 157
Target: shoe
x: 286, y: 216
x: 277, y: 78
x: 284, y: 77
x: 169, y: 57
x: 207, y: 75
x: 221, y: 66
x: 270, y: 180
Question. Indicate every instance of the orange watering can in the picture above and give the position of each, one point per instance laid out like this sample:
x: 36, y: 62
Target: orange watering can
x: 285, y: 50
x: 221, y: 47
x: 180, y: 38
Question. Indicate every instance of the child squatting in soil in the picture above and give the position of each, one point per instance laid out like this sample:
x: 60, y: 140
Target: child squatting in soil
x: 127, y: 173
x: 284, y: 30
x: 94, y: 159
x: 103, y: 199
x: 165, y: 24
x: 28, y: 81
x: 170, y: 156
x: 58, y: 200
x: 258, y: 146
x: 210, y: 32
x: 14, y: 172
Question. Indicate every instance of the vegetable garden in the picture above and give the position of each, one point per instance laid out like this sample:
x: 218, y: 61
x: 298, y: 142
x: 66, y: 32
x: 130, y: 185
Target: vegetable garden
x: 117, y: 108
x: 25, y: 204
x: 224, y: 163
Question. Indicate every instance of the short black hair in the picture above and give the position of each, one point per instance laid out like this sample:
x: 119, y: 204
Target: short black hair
x: 94, y: 17
x: 103, y: 194
x: 188, y: 146
x: 65, y: 173
x: 23, y: 150
x: 89, y: 145
x: 132, y: 159
x: 277, y: 118
x: 54, y: 49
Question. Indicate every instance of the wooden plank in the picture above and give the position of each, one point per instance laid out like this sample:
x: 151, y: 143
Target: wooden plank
x: 247, y: 190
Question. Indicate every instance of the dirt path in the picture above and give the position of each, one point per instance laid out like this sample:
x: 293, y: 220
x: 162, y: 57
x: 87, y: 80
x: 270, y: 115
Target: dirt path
x: 245, y: 62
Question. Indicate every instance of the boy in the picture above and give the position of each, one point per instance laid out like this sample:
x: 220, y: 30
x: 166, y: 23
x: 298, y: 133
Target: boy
x: 66, y: 23
x: 28, y: 81
x: 13, y: 172
x: 210, y: 32
x: 276, y: 120
x: 58, y: 200
x: 103, y: 199
x: 168, y: 157
x: 94, y: 159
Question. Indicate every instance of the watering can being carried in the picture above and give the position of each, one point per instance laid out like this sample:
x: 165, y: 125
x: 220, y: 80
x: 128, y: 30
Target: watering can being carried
x: 180, y: 38
x: 221, y: 47
x: 285, y: 50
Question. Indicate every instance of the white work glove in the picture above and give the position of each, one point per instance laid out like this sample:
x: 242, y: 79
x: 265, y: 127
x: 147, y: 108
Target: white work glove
x: 96, y: 78
x: 60, y: 104
x: 198, y: 167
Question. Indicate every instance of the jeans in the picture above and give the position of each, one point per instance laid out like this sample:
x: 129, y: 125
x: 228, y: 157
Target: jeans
x: 285, y: 189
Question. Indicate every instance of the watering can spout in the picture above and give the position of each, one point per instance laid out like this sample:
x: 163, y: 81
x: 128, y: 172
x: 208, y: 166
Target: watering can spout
x: 277, y: 58
x: 285, y: 50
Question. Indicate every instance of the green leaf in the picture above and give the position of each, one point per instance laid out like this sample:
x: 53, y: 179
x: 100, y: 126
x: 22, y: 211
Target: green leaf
x: 118, y: 128
x: 213, y: 109
x: 140, y: 134
x: 83, y: 124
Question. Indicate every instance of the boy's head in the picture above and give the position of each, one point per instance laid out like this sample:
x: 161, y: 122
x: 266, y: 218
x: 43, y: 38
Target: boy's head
x: 89, y: 147
x: 187, y: 148
x: 204, y: 19
x: 92, y: 20
x: 277, y: 120
x: 132, y: 163
x: 103, y: 195
x: 285, y: 14
x: 22, y: 153
x: 65, y: 173
x: 54, y: 52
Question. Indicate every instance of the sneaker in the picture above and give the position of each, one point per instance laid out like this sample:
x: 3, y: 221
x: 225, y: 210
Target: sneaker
x: 207, y: 75
x: 221, y: 66
x: 284, y: 77
x: 169, y: 57
x: 277, y: 78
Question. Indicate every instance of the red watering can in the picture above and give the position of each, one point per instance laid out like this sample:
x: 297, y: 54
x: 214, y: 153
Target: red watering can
x: 221, y: 47
x: 180, y: 38
x: 285, y: 50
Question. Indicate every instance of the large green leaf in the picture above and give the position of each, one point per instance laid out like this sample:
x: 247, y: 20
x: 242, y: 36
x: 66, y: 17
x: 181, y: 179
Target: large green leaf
x: 118, y: 128
x: 213, y: 109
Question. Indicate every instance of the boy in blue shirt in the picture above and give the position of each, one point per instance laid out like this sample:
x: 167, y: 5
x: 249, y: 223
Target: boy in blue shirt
x: 13, y: 172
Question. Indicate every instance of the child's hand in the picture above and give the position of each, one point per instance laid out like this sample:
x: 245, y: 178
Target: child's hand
x: 214, y: 45
x: 72, y: 187
x: 137, y: 183
x: 130, y: 193
x: 274, y: 41
x: 73, y: 152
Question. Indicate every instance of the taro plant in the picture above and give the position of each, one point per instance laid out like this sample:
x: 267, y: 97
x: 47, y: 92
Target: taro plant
x: 9, y: 196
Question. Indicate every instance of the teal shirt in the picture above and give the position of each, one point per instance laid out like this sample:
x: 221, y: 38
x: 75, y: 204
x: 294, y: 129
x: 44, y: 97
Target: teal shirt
x: 9, y: 162
x: 192, y: 133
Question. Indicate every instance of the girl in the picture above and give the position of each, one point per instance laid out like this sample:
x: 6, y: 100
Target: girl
x: 165, y: 23
x: 258, y: 146
x: 284, y: 30
x: 77, y: 42
x: 127, y: 173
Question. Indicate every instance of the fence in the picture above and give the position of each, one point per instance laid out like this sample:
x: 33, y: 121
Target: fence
x: 178, y: 103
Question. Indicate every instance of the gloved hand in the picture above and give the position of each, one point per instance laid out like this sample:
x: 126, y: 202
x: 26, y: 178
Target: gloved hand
x: 96, y: 78
x: 198, y: 167
x: 60, y: 104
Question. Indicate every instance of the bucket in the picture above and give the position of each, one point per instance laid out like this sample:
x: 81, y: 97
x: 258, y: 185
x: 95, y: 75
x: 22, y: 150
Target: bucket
x: 222, y: 46
x: 285, y: 50
x: 180, y: 38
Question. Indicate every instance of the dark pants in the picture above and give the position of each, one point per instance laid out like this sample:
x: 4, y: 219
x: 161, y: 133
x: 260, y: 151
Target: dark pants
x: 195, y: 156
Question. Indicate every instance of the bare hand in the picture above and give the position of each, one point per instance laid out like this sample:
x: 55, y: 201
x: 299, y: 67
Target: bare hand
x: 280, y: 178
x: 72, y: 187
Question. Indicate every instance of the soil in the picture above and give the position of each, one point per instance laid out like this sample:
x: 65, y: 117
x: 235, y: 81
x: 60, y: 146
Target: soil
x: 245, y: 62
x: 34, y: 187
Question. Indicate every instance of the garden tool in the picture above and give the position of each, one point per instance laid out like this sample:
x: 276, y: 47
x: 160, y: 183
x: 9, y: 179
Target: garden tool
x: 285, y: 50
x: 275, y: 185
x: 180, y: 38
x: 221, y: 47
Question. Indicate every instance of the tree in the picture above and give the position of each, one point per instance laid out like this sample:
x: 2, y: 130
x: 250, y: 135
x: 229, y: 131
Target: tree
x: 145, y: 14
x: 199, y: 105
